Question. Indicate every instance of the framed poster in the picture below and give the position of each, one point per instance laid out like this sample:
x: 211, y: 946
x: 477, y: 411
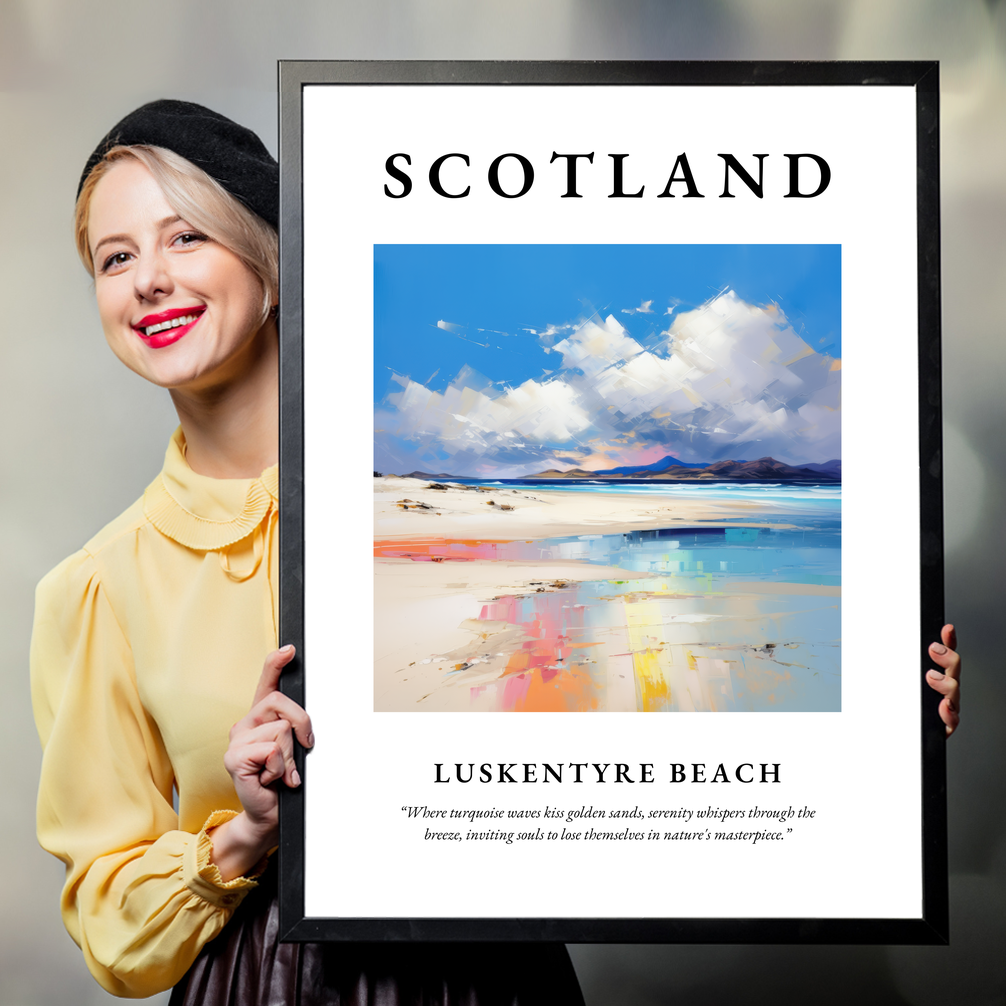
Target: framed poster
x: 624, y: 637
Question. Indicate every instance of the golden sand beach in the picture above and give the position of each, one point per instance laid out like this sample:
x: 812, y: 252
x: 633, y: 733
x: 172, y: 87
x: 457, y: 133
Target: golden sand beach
x: 406, y: 507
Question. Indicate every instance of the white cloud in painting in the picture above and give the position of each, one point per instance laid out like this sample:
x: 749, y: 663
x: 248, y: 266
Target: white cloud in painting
x: 594, y: 347
x: 728, y: 380
x: 645, y: 308
x: 551, y: 331
x: 474, y: 421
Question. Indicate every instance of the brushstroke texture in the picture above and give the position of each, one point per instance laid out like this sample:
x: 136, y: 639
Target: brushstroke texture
x: 727, y: 379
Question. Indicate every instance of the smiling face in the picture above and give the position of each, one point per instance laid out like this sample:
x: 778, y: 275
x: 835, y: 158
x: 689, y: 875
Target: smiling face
x: 177, y: 307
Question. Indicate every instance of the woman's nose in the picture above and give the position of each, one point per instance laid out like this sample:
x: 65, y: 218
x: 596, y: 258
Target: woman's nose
x: 152, y: 277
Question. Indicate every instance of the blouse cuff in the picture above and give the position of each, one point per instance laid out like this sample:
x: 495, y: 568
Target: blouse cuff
x: 202, y: 876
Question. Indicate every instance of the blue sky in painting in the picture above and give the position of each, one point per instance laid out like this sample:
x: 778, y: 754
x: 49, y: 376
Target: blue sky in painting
x: 594, y: 333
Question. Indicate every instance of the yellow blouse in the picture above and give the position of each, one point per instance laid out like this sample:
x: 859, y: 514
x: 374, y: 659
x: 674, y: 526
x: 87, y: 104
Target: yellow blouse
x: 147, y: 647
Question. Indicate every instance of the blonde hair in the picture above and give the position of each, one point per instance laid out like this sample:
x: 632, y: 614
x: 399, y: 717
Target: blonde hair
x: 199, y: 200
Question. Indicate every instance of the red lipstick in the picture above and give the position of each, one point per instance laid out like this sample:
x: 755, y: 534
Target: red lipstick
x: 166, y: 327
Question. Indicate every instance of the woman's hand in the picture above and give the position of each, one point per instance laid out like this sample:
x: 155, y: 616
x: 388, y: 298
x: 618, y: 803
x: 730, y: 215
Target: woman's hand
x: 948, y: 681
x: 260, y: 753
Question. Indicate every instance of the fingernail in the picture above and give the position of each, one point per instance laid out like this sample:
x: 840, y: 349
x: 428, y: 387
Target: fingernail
x: 936, y: 675
x: 295, y: 777
x: 938, y: 648
x: 287, y: 649
x: 310, y: 740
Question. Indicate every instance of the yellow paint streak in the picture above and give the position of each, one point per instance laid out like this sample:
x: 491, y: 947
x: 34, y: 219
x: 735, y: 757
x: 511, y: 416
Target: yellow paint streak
x: 650, y: 666
x: 651, y: 684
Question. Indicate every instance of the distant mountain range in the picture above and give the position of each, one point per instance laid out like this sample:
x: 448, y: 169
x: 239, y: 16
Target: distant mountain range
x: 671, y: 469
x: 657, y: 466
x: 761, y: 470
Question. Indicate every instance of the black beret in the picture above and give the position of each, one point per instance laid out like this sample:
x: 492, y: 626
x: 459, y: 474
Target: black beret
x: 230, y: 154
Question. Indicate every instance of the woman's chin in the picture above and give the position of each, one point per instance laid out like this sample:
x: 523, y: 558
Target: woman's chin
x: 173, y: 374
x: 197, y: 365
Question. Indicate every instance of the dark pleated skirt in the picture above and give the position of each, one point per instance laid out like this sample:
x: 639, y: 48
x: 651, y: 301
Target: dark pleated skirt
x: 246, y: 965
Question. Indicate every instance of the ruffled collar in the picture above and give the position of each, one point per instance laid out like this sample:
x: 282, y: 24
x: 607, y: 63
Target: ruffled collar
x: 203, y: 513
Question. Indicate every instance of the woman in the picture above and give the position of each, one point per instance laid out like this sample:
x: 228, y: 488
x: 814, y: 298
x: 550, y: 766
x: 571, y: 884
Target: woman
x: 148, y: 643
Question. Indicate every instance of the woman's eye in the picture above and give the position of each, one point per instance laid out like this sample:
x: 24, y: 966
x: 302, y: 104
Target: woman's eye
x: 114, y: 261
x: 190, y: 238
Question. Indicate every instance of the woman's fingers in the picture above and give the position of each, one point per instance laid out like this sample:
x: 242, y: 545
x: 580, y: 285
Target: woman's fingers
x: 949, y: 689
x: 271, y: 671
x: 261, y: 749
x: 948, y: 659
x: 950, y: 716
x: 274, y: 767
x: 947, y: 681
x: 947, y: 686
x: 277, y: 706
x: 260, y: 760
x: 277, y: 735
x: 270, y: 703
x: 949, y: 636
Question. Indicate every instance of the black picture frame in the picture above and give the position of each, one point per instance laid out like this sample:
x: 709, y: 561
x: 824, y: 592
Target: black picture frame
x: 932, y: 926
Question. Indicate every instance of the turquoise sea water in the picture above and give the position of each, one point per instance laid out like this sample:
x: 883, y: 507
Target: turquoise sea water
x: 814, y: 497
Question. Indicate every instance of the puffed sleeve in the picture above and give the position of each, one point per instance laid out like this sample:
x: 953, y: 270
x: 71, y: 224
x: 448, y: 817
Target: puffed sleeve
x: 141, y: 898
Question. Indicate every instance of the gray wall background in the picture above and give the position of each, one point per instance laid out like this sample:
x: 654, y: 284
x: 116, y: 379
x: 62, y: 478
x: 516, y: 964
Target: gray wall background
x: 82, y: 436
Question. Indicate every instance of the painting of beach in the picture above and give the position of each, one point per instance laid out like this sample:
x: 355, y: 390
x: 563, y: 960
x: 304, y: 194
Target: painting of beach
x: 607, y: 478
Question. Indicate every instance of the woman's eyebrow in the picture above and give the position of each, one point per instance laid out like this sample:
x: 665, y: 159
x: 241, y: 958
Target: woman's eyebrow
x: 160, y: 225
x: 109, y: 240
